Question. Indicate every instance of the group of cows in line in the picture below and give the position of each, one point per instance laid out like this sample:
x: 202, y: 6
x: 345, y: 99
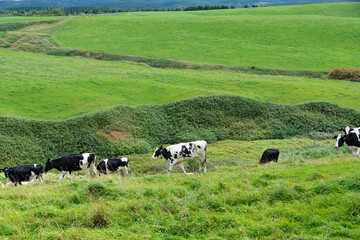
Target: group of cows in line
x: 175, y: 154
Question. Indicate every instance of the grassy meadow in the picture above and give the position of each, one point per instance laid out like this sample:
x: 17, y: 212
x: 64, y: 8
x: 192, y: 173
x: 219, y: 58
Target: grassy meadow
x: 309, y: 194
x: 311, y: 37
x: 52, y: 106
x: 47, y: 87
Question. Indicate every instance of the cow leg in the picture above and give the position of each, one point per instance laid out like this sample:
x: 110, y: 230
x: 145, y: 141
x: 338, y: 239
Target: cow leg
x: 358, y: 151
x: 87, y: 173
x: 93, y: 168
x: 170, y: 168
x: 69, y: 176
x: 62, y: 176
x: 183, y: 168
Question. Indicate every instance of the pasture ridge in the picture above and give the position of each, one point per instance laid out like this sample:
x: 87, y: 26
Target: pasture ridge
x: 137, y: 129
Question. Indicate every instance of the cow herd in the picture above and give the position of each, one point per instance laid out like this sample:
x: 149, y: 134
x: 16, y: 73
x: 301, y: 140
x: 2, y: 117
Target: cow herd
x: 175, y: 154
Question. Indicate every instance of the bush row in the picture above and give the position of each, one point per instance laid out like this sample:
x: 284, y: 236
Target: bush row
x: 142, y: 127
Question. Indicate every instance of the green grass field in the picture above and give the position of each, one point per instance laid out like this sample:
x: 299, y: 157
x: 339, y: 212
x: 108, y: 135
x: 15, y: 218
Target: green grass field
x: 309, y: 194
x: 312, y: 37
x: 46, y: 87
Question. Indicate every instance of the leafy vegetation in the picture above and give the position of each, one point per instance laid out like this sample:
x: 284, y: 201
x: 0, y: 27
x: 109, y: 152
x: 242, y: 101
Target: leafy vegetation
x: 260, y: 37
x: 345, y: 74
x: 126, y: 129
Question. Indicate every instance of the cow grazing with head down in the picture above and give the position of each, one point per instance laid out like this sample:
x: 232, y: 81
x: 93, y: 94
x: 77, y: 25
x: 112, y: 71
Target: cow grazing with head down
x: 71, y: 163
x: 178, y: 153
x: 113, y: 165
x: 270, y: 155
x: 23, y: 173
x: 352, y: 139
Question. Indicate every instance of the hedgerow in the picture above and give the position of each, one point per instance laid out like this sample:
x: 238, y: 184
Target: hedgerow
x: 211, y: 118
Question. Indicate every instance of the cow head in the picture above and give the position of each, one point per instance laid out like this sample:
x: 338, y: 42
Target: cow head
x: 6, y: 171
x: 346, y: 129
x: 157, y: 153
x: 340, y: 139
x: 48, y: 165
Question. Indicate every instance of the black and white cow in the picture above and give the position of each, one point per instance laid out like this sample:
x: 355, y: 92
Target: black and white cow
x: 23, y: 173
x: 352, y: 139
x: 340, y: 140
x: 178, y: 153
x: 71, y: 163
x: 113, y: 165
x: 270, y: 155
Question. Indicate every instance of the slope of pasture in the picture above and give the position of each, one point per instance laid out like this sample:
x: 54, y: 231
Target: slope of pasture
x: 309, y: 194
x: 48, y: 87
x: 273, y: 37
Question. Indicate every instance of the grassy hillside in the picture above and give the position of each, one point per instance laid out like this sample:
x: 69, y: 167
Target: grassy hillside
x: 314, y: 195
x: 126, y: 129
x: 322, y: 37
x: 46, y: 87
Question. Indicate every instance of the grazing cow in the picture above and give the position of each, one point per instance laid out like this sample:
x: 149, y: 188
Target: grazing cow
x: 270, y: 155
x: 348, y: 129
x: 178, y: 153
x: 23, y: 173
x: 75, y: 162
x: 113, y: 165
x: 352, y: 139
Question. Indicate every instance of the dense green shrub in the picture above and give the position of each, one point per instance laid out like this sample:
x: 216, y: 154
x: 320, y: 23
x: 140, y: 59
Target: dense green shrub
x: 210, y: 118
x: 345, y: 74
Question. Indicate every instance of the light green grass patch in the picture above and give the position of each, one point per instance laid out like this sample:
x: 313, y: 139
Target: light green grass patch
x: 279, y: 38
x: 47, y: 87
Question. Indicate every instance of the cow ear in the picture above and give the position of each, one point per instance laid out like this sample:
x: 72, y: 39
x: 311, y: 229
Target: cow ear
x: 160, y: 147
x: 10, y: 169
x: 335, y: 137
x: 351, y: 129
x: 342, y: 129
x: 48, y: 160
x: 1, y: 170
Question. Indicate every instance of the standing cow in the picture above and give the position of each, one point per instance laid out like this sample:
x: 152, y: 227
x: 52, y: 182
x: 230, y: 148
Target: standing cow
x: 178, y: 153
x: 113, y: 165
x: 71, y: 163
x: 23, y: 173
x: 352, y: 139
x: 270, y: 155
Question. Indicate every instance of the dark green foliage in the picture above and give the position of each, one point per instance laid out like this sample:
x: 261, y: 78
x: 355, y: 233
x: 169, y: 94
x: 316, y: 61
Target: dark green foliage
x: 211, y: 118
x: 11, y: 26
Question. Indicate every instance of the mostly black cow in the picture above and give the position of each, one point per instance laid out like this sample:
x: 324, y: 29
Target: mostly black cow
x: 178, y: 153
x: 113, y: 165
x: 352, y: 139
x: 71, y: 163
x: 270, y: 155
x: 23, y: 173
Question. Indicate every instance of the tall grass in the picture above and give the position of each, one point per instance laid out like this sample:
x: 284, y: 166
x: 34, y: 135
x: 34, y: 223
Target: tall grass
x: 306, y: 198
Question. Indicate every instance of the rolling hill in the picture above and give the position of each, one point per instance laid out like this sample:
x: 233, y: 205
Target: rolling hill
x: 311, y: 37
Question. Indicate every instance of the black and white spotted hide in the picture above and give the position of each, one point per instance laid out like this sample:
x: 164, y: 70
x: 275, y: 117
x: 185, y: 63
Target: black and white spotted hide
x: 20, y: 174
x: 114, y: 165
x: 178, y: 153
